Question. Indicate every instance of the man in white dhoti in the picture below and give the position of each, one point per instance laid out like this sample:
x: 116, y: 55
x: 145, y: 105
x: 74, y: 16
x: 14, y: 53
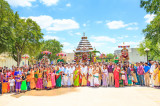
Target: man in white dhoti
x: 90, y: 78
x: 71, y: 70
x: 65, y: 76
x: 151, y: 73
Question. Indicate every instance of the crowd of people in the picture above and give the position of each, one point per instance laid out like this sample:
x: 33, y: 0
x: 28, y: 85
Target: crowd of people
x: 39, y: 76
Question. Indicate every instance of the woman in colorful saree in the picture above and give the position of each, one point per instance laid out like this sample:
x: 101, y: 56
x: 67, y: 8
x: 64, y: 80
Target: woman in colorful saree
x: 125, y: 73
x: 76, y: 76
x: 116, y: 75
x: 155, y: 75
x: 96, y: 77
x: 58, y: 78
x: 32, y: 83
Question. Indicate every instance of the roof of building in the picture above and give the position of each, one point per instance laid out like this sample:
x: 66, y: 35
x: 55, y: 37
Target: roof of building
x: 84, y: 45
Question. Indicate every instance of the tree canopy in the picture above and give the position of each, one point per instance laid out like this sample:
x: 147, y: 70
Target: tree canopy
x: 52, y: 46
x: 6, y: 21
x: 152, y: 31
x: 151, y: 6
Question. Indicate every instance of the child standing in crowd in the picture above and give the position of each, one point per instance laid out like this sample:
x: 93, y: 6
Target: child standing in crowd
x: 12, y: 84
x: 133, y: 73
x: 28, y: 81
x: 44, y: 81
x: 18, y: 84
x: 49, y: 84
x: 24, y: 84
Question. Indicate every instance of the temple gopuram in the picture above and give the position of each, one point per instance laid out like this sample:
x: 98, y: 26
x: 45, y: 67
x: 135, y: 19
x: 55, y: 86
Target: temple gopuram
x: 83, y: 53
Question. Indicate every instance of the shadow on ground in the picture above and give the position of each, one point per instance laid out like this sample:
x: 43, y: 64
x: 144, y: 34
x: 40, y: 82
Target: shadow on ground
x: 53, y: 92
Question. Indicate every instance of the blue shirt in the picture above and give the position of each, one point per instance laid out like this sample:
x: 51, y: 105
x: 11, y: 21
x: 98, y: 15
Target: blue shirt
x: 17, y: 72
x: 146, y: 68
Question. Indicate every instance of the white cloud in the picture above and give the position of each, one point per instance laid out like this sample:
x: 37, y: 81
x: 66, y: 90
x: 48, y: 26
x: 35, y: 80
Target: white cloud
x: 149, y: 17
x: 49, y: 37
x: 22, y: 3
x: 84, y: 25
x: 49, y: 2
x: 78, y: 33
x: 99, y: 22
x: 104, y: 38
x: 66, y: 44
x: 118, y: 24
x: 132, y: 28
x: 68, y: 5
x: 50, y: 24
x: 63, y: 24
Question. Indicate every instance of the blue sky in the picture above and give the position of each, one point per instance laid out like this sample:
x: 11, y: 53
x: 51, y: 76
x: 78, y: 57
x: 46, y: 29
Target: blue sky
x: 106, y: 23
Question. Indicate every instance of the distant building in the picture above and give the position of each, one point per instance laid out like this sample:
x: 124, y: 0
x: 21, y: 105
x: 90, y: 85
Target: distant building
x: 69, y: 57
x: 8, y: 61
x: 134, y: 55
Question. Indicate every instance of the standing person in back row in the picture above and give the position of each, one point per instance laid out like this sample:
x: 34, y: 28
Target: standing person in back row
x: 116, y: 60
x: 151, y: 73
x: 146, y: 74
x: 111, y: 76
x: 140, y: 71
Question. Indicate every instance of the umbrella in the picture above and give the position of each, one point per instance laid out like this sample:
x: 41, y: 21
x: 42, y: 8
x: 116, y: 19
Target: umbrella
x: 102, y: 56
x: 26, y: 56
x: 46, y: 52
x: 61, y: 54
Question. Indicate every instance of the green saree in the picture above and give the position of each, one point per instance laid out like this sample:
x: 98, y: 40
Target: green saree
x: 58, y: 79
x: 76, y: 78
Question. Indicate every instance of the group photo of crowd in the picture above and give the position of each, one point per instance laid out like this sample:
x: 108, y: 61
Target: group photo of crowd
x: 47, y: 77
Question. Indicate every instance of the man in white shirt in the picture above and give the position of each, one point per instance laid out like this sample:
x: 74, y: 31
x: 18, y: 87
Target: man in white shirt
x: 151, y: 72
x: 71, y: 70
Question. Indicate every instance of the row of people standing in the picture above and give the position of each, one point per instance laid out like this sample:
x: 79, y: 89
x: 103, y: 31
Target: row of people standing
x: 67, y: 75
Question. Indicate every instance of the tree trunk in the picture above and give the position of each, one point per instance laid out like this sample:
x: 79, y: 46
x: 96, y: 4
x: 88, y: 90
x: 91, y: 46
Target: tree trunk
x: 18, y: 59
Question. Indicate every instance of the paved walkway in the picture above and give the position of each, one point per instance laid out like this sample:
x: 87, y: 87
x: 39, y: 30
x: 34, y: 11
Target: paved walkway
x: 85, y: 96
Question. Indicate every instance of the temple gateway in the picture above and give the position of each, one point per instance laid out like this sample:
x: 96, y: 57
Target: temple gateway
x: 84, y: 52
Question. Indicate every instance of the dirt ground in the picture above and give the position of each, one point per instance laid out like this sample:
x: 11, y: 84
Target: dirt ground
x: 85, y: 96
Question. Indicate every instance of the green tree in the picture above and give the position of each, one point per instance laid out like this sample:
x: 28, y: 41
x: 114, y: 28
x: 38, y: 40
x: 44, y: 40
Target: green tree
x: 26, y: 38
x: 110, y: 57
x: 151, y: 6
x: 6, y: 21
x: 152, y: 31
x: 153, y: 53
x: 53, y: 46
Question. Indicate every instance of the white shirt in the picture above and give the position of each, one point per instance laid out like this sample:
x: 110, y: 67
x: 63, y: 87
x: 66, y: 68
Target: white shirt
x: 152, y: 68
x: 84, y: 70
x: 12, y: 81
x: 90, y: 71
